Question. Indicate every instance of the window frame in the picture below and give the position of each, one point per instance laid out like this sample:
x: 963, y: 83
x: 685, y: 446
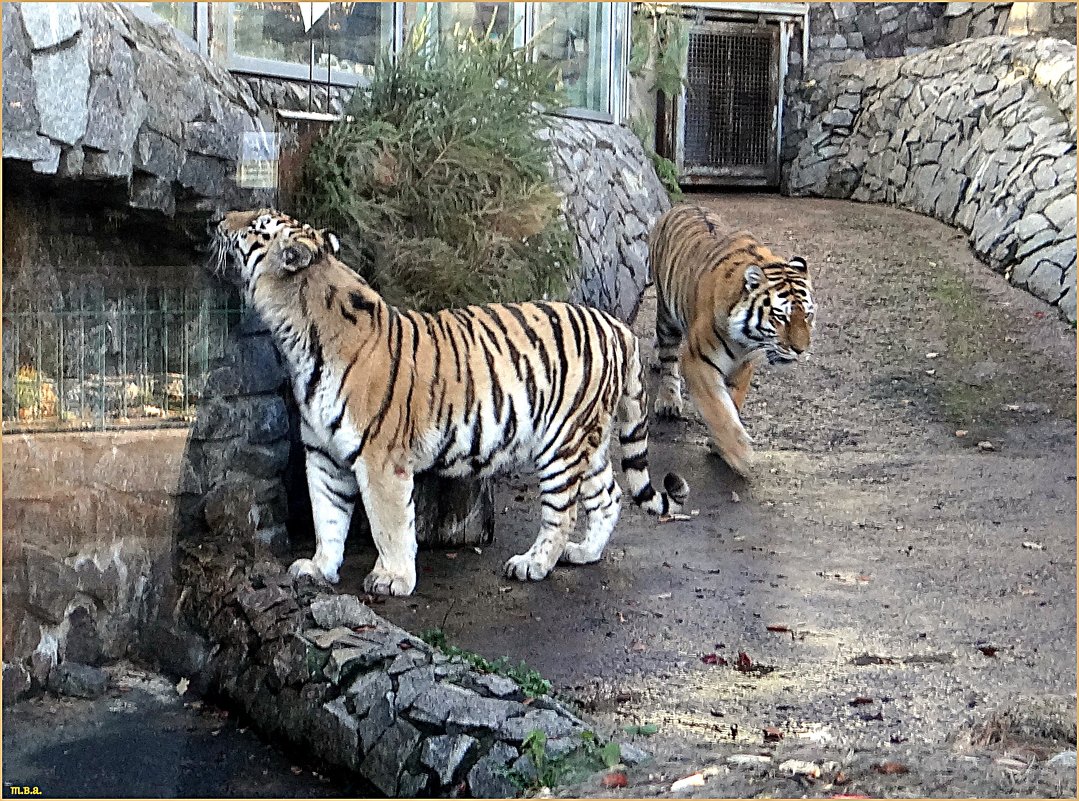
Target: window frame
x: 197, y: 43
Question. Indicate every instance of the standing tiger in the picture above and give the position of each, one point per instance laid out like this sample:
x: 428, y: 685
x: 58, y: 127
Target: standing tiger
x: 730, y: 298
x: 385, y: 393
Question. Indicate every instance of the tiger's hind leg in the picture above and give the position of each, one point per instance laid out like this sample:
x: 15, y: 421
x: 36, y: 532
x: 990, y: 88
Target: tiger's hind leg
x: 668, y: 343
x: 601, y: 498
x: 560, y: 483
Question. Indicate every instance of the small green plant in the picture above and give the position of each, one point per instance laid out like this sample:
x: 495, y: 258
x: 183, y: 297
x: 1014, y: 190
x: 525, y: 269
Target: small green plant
x: 438, y: 180
x: 530, y: 681
x: 666, y: 170
x: 582, y: 761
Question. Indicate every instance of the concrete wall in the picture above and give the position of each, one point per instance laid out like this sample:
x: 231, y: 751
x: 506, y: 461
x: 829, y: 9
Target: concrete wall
x: 980, y: 134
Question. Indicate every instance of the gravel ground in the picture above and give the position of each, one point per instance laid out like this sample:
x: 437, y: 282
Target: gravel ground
x: 923, y: 588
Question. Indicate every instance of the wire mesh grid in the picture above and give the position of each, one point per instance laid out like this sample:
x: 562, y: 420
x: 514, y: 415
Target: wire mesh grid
x: 91, y: 359
x: 729, y: 100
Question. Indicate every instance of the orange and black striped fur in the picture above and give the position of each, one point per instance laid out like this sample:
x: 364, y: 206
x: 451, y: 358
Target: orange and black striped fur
x: 729, y: 298
x: 385, y: 393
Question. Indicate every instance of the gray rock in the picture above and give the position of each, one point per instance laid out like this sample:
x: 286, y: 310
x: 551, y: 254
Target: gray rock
x: 62, y: 86
x: 51, y: 584
x: 151, y: 192
x: 157, y: 154
x: 78, y: 681
x: 204, y: 174
x: 1030, y: 225
x: 16, y: 682
x: 1061, y: 211
x: 50, y: 24
x: 413, y: 684
x: 408, y: 660
x: 498, y: 686
x: 385, y: 762
x: 444, y: 754
x: 545, y: 720
x: 450, y: 705
x: 331, y: 611
x: 632, y: 755
x: 84, y: 643
x: 488, y: 777
x: 379, y: 718
x: 1045, y: 282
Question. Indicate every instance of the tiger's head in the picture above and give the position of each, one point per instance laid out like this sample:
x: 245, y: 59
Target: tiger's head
x: 267, y: 243
x: 776, y: 310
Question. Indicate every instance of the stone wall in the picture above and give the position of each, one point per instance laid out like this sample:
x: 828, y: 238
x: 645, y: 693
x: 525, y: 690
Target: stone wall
x: 841, y: 31
x: 93, y: 92
x: 327, y: 674
x: 612, y: 199
x: 979, y: 134
x: 88, y: 543
x: 975, y: 20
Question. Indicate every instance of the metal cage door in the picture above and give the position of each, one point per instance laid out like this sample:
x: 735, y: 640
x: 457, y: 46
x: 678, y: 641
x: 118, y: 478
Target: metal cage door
x: 729, y: 111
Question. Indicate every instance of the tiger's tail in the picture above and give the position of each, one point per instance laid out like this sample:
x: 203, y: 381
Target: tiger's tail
x: 634, y: 440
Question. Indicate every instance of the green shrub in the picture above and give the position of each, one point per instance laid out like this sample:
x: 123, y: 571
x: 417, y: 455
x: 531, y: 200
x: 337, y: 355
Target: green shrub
x: 436, y: 178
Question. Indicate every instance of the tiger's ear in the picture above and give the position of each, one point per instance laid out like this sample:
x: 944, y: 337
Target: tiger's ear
x: 296, y: 256
x: 753, y: 277
x: 798, y: 263
x: 332, y: 242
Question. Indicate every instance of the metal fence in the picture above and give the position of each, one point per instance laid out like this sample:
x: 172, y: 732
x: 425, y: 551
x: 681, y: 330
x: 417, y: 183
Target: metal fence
x: 91, y: 359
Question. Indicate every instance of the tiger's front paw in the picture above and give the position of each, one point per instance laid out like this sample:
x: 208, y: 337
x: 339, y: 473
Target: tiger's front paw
x: 668, y: 405
x: 738, y: 456
x: 307, y: 567
x: 381, y: 581
x: 525, y: 567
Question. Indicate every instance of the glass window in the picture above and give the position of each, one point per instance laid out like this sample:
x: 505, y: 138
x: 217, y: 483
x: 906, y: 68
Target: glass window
x: 271, y: 31
x: 478, y: 17
x: 578, y: 41
x: 344, y: 39
x: 350, y: 37
x: 180, y: 15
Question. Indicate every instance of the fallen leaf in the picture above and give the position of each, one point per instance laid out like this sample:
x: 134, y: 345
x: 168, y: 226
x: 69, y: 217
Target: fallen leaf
x: 615, y: 779
x: 891, y: 768
x: 861, y: 700
x: 930, y: 372
x: 637, y: 646
x: 748, y: 759
x: 694, y: 512
x: 181, y: 686
x: 673, y: 517
x: 477, y: 550
x: 663, y: 596
x: 1034, y: 546
x: 779, y: 629
x: 878, y: 716
x: 693, y: 780
x: 451, y: 555
x: 870, y: 659
x: 296, y: 770
x: 800, y: 768
x: 714, y: 659
x: 405, y: 645
x: 988, y: 650
x: 735, y: 497
x: 744, y: 663
x: 772, y: 734
x: 840, y: 779
x: 986, y: 445
x: 931, y: 355
x: 1038, y: 315
x: 962, y: 432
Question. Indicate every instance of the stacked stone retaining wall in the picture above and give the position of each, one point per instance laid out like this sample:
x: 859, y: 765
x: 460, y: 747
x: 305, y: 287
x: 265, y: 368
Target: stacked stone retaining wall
x: 979, y: 134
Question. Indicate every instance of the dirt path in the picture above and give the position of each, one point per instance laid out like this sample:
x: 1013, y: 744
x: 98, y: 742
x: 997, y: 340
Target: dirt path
x: 913, y: 570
